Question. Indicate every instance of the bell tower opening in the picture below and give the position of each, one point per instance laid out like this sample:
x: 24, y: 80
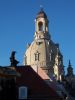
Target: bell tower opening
x: 40, y: 26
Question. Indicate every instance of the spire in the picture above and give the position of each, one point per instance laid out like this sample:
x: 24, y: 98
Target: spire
x: 69, y: 65
x: 70, y: 69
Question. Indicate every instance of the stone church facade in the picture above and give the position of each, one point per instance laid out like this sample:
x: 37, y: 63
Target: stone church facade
x: 43, y: 52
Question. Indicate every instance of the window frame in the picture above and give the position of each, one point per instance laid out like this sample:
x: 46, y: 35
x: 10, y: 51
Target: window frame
x: 37, y: 56
x: 22, y: 89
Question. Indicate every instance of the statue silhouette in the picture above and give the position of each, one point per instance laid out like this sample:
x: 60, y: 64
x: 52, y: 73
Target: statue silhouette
x: 13, y: 61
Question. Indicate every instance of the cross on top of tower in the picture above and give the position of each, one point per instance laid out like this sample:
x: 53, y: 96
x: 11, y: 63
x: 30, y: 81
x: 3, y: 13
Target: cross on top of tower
x: 41, y: 6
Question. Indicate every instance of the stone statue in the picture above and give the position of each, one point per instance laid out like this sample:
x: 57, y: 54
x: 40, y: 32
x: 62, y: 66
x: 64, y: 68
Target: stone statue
x: 13, y: 61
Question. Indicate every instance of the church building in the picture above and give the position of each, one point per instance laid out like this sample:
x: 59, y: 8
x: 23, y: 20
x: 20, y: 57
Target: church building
x: 42, y: 75
x: 43, y: 52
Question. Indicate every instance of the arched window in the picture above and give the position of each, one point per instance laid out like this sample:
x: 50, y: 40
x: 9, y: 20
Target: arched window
x: 40, y: 25
x: 22, y: 92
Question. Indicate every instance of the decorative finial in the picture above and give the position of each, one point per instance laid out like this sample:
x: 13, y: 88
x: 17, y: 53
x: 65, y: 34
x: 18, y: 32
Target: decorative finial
x: 41, y: 6
x: 69, y: 63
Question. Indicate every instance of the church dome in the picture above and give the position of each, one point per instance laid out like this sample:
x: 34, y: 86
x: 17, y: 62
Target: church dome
x: 41, y: 14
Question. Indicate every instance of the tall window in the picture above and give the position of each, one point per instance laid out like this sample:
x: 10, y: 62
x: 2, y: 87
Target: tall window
x: 22, y: 92
x: 50, y: 56
x: 37, y: 56
x: 40, y: 24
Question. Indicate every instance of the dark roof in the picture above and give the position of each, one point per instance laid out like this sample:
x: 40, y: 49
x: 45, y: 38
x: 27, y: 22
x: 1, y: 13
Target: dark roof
x: 8, y: 71
x: 41, y: 14
x: 34, y: 82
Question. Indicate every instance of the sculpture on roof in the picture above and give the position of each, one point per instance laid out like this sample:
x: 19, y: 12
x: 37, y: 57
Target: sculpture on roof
x: 13, y: 61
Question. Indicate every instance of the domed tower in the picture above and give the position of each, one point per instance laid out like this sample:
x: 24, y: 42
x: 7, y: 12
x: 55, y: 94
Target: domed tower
x: 42, y: 51
x: 41, y: 26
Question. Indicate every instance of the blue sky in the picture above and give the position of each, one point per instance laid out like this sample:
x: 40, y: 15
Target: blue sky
x: 17, y: 26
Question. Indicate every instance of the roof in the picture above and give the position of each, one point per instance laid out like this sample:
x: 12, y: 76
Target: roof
x: 41, y: 14
x: 34, y: 82
x: 41, y: 73
x: 8, y: 71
